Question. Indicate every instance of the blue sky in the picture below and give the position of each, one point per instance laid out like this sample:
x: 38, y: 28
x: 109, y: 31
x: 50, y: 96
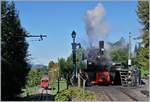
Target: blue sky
x: 58, y: 19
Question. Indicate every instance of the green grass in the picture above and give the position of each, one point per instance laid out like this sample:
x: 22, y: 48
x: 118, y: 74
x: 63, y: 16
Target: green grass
x: 62, y: 86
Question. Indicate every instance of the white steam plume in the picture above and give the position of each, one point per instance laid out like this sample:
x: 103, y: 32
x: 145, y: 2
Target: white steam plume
x: 96, y: 26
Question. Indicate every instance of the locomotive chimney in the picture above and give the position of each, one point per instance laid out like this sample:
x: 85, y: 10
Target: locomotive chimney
x: 101, y: 47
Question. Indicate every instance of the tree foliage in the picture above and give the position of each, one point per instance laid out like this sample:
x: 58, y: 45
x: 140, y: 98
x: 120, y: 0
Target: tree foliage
x: 79, y: 58
x: 34, y: 76
x: 66, y: 66
x: 143, y: 52
x: 53, y: 71
x: 13, y: 52
x: 120, y: 55
x: 50, y: 65
x: 143, y: 13
x: 63, y: 67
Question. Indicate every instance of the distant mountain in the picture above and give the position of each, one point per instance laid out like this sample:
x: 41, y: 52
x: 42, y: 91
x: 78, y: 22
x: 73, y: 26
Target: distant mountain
x: 120, y: 43
x: 110, y: 44
x: 38, y: 66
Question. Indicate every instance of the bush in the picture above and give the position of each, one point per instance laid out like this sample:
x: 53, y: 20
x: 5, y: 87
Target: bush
x: 63, y: 96
x: 75, y: 94
x: 144, y: 72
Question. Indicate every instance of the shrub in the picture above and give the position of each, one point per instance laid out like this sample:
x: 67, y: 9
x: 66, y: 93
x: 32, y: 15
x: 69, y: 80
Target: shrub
x: 63, y: 96
x: 75, y: 94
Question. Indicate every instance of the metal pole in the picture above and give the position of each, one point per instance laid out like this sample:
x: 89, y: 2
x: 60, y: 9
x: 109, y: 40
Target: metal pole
x: 58, y: 75
x: 74, y: 47
x: 74, y: 57
x: 129, y: 55
x: 129, y: 45
x: 67, y: 81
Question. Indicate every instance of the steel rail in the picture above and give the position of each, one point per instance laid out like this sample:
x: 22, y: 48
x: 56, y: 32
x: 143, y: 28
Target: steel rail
x: 131, y: 97
x: 107, y: 95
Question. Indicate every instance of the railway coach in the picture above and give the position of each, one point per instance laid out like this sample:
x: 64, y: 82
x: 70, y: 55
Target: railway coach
x: 44, y: 81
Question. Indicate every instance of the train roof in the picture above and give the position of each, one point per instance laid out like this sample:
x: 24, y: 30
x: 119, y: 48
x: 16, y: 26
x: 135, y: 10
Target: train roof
x: 45, y: 78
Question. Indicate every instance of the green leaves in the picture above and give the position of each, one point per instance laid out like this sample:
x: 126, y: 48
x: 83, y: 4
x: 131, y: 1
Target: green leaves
x: 62, y: 65
x: 34, y: 76
x: 75, y: 94
x: 143, y: 13
x: 142, y: 58
x: 120, y: 55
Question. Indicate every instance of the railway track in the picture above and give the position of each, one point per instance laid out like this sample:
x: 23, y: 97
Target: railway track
x: 43, y: 97
x: 112, y: 93
x: 133, y: 98
x: 118, y: 95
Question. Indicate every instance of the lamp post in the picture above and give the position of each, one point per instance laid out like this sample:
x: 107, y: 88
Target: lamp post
x: 74, y: 47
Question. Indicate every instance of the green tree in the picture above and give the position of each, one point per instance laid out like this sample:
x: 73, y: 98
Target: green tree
x: 143, y: 52
x: 120, y: 55
x: 13, y: 52
x: 50, y: 65
x: 63, y: 67
x: 52, y: 71
x: 79, y: 58
x: 69, y: 64
x: 69, y: 61
x: 34, y: 76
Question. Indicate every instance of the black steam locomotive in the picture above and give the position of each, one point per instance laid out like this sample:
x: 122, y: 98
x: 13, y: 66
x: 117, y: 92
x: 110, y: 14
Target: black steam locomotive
x: 100, y: 69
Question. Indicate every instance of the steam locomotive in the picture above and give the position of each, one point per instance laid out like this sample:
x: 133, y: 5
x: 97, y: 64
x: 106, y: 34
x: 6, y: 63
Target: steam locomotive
x: 100, y: 69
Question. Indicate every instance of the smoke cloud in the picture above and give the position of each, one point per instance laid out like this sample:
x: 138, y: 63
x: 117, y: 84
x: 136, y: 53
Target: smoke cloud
x: 96, y: 26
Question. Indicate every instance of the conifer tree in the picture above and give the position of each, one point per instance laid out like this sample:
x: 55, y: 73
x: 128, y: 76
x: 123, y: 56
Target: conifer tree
x: 14, y: 47
x: 143, y: 52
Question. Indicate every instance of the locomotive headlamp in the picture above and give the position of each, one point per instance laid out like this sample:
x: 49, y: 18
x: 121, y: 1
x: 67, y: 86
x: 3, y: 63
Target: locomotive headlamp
x: 89, y: 62
x: 73, y: 34
x: 129, y: 71
x: 102, y: 49
x: 113, y: 64
x: 98, y: 56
